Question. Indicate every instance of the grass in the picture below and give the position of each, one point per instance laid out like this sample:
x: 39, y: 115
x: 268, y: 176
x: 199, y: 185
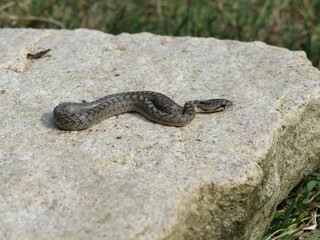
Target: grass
x: 298, y: 216
x: 293, y: 24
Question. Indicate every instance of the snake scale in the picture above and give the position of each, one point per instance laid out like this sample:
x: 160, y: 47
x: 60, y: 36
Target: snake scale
x: 155, y: 106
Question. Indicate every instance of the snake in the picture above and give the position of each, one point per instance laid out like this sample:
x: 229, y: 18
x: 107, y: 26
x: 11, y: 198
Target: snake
x: 157, y: 107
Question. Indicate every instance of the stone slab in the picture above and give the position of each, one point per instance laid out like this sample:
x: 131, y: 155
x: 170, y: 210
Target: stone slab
x: 128, y: 178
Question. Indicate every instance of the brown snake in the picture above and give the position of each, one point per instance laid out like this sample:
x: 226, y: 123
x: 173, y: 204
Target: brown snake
x: 153, y: 105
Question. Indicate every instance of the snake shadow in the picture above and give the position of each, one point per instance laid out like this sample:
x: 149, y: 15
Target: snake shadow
x: 47, y: 121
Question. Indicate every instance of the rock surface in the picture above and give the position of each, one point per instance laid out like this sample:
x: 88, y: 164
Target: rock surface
x: 127, y: 178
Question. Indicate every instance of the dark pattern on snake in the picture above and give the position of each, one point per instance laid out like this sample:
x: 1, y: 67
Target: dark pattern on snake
x: 153, y: 105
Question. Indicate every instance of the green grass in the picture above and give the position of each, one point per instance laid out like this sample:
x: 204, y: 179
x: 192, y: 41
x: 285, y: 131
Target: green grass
x: 294, y: 24
x: 298, y: 216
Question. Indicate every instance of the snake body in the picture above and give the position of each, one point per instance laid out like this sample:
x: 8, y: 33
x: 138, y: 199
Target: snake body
x: 153, y: 105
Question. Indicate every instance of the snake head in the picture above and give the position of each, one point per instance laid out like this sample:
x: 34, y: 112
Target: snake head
x: 212, y: 105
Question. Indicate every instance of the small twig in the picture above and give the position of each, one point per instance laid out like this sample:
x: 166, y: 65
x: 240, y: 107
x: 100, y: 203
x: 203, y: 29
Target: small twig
x: 33, y: 18
x: 38, y: 54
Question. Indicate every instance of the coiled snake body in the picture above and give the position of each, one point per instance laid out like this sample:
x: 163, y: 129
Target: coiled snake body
x: 153, y: 105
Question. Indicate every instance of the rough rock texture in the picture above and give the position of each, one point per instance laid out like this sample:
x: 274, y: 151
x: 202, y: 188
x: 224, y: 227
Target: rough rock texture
x: 127, y: 178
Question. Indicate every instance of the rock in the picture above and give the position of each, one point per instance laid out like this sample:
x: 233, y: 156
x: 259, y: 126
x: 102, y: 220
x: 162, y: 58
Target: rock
x: 219, y: 177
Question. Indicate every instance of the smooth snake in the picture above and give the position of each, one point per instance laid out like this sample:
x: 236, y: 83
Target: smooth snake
x: 155, y: 106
